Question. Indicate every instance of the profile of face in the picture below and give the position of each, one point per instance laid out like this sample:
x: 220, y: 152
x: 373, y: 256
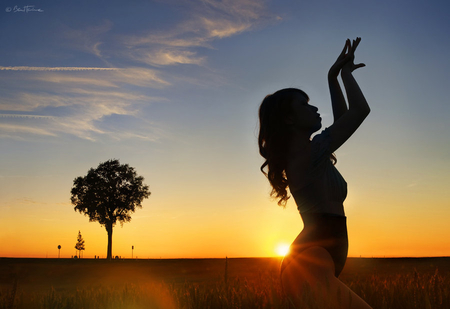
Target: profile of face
x: 304, y: 116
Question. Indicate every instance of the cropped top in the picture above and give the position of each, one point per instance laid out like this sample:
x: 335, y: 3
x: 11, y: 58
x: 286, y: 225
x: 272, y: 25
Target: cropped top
x: 324, y: 189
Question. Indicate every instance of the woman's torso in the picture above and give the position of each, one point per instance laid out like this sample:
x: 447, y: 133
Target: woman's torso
x: 314, y: 182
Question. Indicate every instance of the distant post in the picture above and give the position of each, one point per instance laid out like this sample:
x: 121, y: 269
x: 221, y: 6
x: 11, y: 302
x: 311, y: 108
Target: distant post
x: 132, y: 248
x: 226, y: 270
x: 59, y: 251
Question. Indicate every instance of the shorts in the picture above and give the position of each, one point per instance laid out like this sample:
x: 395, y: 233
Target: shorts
x: 324, y: 230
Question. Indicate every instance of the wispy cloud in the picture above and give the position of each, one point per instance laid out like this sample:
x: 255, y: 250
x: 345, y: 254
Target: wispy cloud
x: 87, y: 39
x: 70, y: 80
x: 207, y: 20
x: 140, y: 77
x: 12, y: 130
x: 114, y: 76
x: 28, y: 101
x: 81, y: 114
x: 164, y: 56
x: 86, y: 101
x: 224, y: 28
x: 70, y: 100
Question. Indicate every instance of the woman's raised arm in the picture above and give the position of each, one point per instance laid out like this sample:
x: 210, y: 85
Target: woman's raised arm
x: 348, y: 120
x: 337, y: 97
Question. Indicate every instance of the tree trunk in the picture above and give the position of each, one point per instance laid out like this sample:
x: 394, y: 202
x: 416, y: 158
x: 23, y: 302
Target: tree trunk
x: 109, y: 230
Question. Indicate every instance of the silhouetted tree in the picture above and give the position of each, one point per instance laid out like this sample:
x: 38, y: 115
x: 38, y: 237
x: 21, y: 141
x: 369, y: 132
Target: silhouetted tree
x: 108, y: 194
x: 80, y: 244
x: 59, y: 251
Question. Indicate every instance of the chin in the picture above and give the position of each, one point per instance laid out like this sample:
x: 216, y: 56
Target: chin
x: 316, y: 128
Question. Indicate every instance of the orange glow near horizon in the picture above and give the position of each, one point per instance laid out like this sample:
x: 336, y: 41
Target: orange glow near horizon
x: 262, y: 230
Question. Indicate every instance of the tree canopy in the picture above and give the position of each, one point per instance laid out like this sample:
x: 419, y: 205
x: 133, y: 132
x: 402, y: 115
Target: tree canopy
x: 109, y: 193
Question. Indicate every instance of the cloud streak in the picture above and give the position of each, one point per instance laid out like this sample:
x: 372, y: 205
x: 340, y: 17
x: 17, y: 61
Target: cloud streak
x: 50, y: 69
x: 25, y: 116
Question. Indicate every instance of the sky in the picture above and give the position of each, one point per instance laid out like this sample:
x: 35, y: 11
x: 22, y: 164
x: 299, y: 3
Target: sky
x: 172, y: 88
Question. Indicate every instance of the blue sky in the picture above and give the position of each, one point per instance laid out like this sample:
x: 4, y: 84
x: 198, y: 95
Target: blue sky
x: 173, y: 88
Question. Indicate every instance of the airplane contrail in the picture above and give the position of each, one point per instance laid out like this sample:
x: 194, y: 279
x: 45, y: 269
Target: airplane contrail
x: 25, y: 116
x: 26, y: 68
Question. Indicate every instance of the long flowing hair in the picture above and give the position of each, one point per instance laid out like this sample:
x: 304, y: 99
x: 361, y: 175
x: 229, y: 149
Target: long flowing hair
x: 273, y: 140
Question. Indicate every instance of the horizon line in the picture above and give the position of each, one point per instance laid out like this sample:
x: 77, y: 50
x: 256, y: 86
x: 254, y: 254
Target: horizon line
x: 217, y: 258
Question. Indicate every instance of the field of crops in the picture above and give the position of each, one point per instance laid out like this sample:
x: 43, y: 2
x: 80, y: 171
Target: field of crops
x: 209, y: 283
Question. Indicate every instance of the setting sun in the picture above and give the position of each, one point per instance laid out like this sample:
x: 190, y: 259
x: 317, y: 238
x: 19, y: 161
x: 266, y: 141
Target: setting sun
x: 282, y: 249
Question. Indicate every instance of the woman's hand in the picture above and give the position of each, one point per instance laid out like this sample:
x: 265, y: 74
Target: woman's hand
x: 350, y: 66
x: 345, y: 59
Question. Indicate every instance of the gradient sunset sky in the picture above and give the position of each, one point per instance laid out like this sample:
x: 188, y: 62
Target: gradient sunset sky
x: 172, y: 88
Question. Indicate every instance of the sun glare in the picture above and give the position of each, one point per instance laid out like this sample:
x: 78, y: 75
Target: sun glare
x: 282, y: 249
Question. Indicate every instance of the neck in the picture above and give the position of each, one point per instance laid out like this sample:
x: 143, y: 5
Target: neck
x: 299, y: 142
x: 300, y: 135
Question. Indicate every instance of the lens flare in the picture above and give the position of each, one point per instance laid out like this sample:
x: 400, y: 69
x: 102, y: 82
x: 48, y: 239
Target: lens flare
x: 282, y: 249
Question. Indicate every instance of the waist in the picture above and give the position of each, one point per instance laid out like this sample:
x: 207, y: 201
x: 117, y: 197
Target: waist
x: 322, y: 216
x: 312, y: 200
x: 326, y: 222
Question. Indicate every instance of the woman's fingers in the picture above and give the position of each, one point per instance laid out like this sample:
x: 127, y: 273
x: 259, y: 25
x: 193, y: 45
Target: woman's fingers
x: 346, y: 57
x: 344, y: 50
x: 356, y: 43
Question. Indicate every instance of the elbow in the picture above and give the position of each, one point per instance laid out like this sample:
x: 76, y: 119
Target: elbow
x: 363, y: 113
x: 365, y: 110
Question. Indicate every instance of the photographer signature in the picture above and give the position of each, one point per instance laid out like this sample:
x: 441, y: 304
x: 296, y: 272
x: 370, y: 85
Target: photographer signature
x: 25, y: 9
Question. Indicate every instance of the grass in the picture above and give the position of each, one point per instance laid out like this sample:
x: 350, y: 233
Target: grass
x: 209, y: 283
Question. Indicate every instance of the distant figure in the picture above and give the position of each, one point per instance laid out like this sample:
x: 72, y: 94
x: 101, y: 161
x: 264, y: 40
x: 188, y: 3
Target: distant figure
x: 306, y: 166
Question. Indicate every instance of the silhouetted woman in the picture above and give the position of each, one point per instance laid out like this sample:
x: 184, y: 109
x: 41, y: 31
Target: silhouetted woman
x: 306, y: 166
